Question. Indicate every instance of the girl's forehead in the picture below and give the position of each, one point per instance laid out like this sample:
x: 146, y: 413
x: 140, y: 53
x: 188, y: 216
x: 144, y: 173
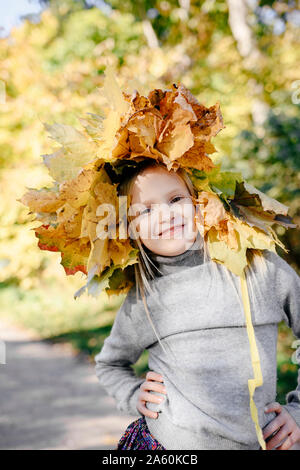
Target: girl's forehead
x: 155, y: 182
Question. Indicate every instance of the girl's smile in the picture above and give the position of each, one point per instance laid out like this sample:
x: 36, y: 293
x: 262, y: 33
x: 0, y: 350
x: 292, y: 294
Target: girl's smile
x: 172, y: 229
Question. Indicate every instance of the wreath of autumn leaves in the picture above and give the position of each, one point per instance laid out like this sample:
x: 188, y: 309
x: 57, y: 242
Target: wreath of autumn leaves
x: 171, y: 127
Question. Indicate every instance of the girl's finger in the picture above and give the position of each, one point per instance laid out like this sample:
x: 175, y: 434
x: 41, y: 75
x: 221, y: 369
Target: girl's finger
x: 273, y: 426
x: 155, y: 387
x: 286, y: 444
x: 151, y: 397
x: 154, y: 376
x: 146, y: 412
x: 275, y: 406
x: 295, y: 446
x: 278, y: 438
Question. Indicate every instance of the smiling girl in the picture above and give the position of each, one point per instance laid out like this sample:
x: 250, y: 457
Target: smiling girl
x: 200, y: 260
x: 195, y: 394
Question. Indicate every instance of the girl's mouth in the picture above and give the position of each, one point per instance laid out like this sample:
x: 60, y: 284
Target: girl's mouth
x: 172, y: 229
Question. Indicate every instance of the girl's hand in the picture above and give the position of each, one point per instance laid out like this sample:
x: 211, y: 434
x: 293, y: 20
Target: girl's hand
x: 286, y: 427
x: 144, y: 396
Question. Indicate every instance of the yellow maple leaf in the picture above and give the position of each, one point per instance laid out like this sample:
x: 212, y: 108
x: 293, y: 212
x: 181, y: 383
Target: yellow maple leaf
x: 235, y: 259
x: 42, y: 200
x: 76, y: 152
x: 119, y: 251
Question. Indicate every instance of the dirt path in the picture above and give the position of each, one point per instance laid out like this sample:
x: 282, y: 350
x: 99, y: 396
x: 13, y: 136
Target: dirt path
x: 51, y: 399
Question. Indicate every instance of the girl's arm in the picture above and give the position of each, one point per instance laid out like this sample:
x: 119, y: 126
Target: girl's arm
x: 288, y: 291
x: 120, y: 350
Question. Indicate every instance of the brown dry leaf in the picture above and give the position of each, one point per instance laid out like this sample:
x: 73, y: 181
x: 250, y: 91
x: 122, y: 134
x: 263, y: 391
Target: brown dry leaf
x: 42, y: 200
x: 177, y: 140
x: 145, y: 127
x: 196, y: 157
x: 77, y: 191
x: 70, y: 219
x: 175, y: 136
x: 212, y: 209
x: 121, y: 149
x: 215, y: 216
x: 210, y: 122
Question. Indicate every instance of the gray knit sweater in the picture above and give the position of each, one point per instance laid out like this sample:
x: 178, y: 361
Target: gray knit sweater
x: 197, y: 312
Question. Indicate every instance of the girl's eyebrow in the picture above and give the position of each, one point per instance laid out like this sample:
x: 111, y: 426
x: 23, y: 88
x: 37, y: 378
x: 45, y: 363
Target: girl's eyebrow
x: 168, y: 195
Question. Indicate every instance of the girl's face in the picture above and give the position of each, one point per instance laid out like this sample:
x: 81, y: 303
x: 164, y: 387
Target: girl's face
x: 163, y: 211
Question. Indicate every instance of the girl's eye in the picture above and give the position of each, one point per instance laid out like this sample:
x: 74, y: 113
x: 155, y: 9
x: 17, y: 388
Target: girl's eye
x: 145, y: 211
x: 177, y: 197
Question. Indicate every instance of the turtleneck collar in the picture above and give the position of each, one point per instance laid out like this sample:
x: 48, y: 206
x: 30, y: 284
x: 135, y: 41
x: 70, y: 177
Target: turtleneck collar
x: 169, y: 264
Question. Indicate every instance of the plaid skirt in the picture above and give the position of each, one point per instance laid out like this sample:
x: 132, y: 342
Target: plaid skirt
x: 138, y: 437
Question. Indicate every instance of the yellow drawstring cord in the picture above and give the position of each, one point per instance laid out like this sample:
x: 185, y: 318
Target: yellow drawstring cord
x: 258, y: 379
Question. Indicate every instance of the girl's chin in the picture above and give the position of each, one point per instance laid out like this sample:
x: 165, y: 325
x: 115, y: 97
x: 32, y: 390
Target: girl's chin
x: 169, y: 246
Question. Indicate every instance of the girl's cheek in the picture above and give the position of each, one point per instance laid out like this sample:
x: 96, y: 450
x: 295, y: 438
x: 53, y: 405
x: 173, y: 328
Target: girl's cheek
x: 188, y: 210
x: 134, y: 228
x: 145, y: 228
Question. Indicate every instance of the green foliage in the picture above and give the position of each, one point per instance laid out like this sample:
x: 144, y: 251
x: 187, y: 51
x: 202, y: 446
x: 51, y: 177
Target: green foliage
x: 84, y: 30
x: 273, y: 166
x: 277, y: 153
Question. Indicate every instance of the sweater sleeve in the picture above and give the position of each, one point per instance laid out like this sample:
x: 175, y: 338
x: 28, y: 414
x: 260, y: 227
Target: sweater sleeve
x: 288, y: 290
x: 120, y: 350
